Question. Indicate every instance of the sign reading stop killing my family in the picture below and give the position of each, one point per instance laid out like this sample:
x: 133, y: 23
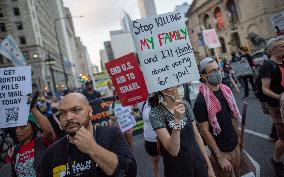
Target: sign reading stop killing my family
x: 128, y: 80
x: 164, y: 50
x: 15, y: 85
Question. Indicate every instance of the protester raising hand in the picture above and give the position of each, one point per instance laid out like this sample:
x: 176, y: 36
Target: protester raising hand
x: 179, y: 109
x: 173, y: 121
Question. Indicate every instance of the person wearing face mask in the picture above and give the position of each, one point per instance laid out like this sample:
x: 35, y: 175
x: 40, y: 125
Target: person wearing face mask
x: 86, y: 151
x: 181, y: 145
x: 216, y: 111
x: 91, y: 94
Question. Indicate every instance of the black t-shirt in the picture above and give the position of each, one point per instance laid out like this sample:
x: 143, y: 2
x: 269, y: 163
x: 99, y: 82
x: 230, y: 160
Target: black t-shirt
x: 92, y: 97
x: 227, y: 140
x: 56, y: 158
x: 271, y: 70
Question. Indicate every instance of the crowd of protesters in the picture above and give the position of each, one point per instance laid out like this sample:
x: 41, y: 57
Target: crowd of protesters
x: 60, y: 136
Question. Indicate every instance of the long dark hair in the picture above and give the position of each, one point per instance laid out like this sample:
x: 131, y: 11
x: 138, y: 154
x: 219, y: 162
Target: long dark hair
x: 154, y: 99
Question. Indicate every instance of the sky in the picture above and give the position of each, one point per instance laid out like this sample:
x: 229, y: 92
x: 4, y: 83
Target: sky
x: 102, y: 16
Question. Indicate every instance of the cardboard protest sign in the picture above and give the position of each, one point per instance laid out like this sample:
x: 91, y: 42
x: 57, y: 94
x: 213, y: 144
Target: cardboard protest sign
x: 128, y: 80
x: 125, y: 119
x: 277, y: 21
x: 15, y: 85
x: 164, y: 49
x: 242, y: 68
x: 100, y: 108
x: 211, y: 39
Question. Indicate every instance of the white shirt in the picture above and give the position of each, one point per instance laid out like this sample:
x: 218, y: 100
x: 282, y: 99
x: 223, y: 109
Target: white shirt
x: 149, y: 134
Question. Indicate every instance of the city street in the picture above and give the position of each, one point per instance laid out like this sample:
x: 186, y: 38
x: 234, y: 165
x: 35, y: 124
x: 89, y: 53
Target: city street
x: 257, y: 142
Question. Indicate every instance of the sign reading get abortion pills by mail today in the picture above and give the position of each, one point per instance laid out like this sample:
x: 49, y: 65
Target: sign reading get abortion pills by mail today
x: 15, y: 85
x: 127, y: 79
x: 165, y: 52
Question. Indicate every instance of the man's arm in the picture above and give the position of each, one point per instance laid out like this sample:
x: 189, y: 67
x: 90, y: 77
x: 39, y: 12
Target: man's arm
x: 223, y: 162
x: 111, y: 162
x: 265, y: 82
x: 44, y: 124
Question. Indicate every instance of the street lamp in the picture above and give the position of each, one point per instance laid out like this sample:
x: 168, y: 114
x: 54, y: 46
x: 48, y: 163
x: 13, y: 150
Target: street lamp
x: 58, y: 45
x: 50, y: 61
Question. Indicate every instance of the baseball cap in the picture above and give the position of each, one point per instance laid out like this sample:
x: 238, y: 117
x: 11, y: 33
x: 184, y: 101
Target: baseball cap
x: 89, y: 82
x: 33, y: 120
x: 204, y: 62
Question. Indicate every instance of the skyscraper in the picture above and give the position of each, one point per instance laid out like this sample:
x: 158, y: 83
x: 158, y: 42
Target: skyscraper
x: 147, y: 8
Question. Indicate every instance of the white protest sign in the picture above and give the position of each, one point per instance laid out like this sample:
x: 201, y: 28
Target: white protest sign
x: 164, y: 50
x: 277, y: 21
x: 125, y: 119
x: 211, y: 39
x: 242, y: 68
x: 15, y: 84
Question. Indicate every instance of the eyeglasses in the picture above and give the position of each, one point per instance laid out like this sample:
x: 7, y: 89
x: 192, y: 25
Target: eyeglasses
x: 279, y: 46
x: 75, y: 110
x: 214, y: 70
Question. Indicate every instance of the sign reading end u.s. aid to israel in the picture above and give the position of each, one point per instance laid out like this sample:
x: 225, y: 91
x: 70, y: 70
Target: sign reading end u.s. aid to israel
x: 15, y: 85
x: 164, y: 50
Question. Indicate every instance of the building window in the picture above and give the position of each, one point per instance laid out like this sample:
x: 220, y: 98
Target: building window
x: 26, y: 55
x: 19, y: 25
x: 22, y: 40
x: 1, y: 13
x: 16, y: 11
x: 2, y: 27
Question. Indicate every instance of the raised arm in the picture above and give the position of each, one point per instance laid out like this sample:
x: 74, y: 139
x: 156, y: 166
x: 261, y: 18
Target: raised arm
x: 44, y: 124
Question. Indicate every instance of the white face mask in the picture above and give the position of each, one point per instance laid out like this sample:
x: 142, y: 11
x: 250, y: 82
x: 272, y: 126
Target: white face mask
x: 180, y: 91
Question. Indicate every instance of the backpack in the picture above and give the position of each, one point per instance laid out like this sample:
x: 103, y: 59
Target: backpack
x: 258, y: 85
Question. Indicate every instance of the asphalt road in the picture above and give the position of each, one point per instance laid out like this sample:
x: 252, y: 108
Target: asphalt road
x: 257, y: 142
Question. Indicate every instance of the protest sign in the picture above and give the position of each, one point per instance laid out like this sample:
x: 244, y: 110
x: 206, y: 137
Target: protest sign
x: 15, y: 85
x: 101, y: 114
x: 241, y: 68
x: 211, y: 39
x: 100, y: 108
x: 125, y: 119
x: 164, y: 49
x: 277, y: 21
x: 128, y: 80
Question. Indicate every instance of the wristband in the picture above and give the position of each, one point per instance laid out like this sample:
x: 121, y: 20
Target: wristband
x: 177, y: 126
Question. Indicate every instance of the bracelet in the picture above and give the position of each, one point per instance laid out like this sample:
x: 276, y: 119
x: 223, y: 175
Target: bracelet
x: 177, y: 126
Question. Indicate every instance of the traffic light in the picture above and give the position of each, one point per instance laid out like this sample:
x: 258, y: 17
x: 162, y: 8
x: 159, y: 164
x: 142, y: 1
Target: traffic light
x: 83, y: 78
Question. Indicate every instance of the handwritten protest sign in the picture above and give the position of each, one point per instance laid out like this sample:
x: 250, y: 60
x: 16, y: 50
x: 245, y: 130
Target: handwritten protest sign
x: 277, y: 21
x: 125, y: 119
x: 211, y: 38
x: 15, y: 85
x: 128, y: 80
x: 164, y: 50
x: 242, y: 68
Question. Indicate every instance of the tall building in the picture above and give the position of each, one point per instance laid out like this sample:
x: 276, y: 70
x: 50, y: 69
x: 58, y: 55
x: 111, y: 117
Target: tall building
x: 147, y: 8
x: 128, y: 45
x: 108, y: 50
x: 182, y: 8
x: 32, y: 24
x: 104, y: 59
x: 84, y: 61
x: 237, y: 23
x: 124, y: 21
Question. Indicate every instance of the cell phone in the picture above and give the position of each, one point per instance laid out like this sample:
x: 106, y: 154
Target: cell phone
x: 33, y: 99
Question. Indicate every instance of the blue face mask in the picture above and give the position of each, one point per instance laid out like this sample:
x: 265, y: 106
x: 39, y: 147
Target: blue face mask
x: 214, y: 78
